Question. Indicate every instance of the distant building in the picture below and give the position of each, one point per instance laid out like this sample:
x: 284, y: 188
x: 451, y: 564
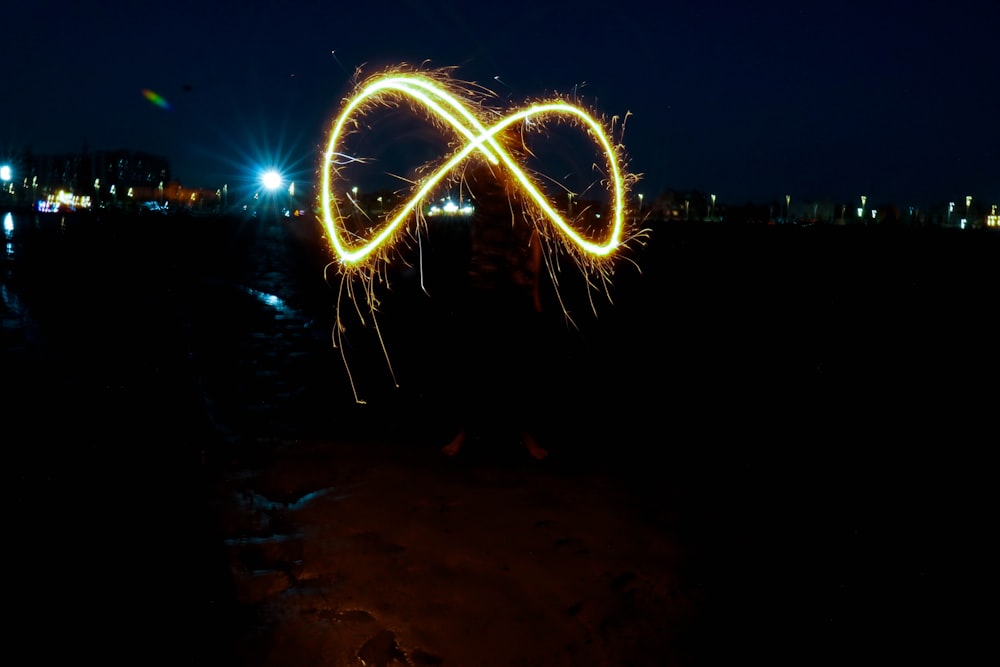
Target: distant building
x: 118, y: 179
x: 130, y: 169
x: 59, y: 171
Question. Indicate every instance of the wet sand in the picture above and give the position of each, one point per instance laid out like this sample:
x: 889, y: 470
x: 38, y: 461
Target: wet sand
x: 772, y: 446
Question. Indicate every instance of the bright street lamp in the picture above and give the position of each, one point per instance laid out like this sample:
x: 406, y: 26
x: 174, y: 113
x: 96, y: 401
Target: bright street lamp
x: 5, y: 177
x: 271, y: 180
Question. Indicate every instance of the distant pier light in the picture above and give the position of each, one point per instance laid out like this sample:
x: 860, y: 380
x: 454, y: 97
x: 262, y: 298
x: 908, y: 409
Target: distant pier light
x: 6, y: 174
x: 271, y: 180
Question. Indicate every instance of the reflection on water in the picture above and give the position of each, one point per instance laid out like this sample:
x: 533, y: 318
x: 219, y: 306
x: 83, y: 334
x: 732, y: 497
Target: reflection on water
x: 13, y: 311
x: 270, y: 300
x: 8, y: 232
x: 119, y: 299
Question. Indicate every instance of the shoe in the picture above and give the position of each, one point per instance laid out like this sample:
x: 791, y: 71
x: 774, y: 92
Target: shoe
x: 537, y: 451
x: 455, y: 446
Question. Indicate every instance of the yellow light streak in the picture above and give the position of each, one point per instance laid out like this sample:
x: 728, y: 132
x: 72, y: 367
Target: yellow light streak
x: 445, y: 106
x: 458, y: 109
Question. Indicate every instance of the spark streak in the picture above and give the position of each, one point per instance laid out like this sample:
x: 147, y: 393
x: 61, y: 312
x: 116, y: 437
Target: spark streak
x: 456, y: 109
x: 446, y: 106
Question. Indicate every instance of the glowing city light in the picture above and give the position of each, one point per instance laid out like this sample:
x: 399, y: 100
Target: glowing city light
x: 447, y: 107
x: 271, y: 179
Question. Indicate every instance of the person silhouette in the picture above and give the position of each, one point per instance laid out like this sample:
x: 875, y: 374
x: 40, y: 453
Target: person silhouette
x: 499, y: 334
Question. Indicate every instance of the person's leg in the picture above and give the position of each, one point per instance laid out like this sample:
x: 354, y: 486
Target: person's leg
x: 471, y: 375
x: 527, y: 377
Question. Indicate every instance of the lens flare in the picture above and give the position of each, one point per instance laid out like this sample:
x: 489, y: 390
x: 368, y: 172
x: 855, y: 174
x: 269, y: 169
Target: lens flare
x: 155, y: 98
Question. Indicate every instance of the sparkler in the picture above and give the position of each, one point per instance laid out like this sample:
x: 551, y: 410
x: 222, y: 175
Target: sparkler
x: 458, y: 110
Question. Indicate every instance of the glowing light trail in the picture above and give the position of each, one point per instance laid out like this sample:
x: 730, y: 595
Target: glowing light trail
x: 453, y: 107
x: 447, y: 107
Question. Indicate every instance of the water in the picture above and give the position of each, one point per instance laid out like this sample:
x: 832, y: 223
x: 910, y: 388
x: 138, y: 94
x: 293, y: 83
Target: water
x: 225, y: 327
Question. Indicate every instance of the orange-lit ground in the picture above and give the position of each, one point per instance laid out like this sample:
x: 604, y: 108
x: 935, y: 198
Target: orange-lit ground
x: 401, y: 555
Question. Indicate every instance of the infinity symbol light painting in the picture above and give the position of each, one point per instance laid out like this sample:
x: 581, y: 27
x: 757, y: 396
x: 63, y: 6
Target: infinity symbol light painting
x: 479, y: 132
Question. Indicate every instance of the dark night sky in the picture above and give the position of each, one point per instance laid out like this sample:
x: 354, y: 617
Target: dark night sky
x: 750, y: 100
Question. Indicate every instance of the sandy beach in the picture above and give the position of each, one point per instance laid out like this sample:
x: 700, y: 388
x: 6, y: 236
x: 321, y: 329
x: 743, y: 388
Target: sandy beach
x: 773, y: 446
